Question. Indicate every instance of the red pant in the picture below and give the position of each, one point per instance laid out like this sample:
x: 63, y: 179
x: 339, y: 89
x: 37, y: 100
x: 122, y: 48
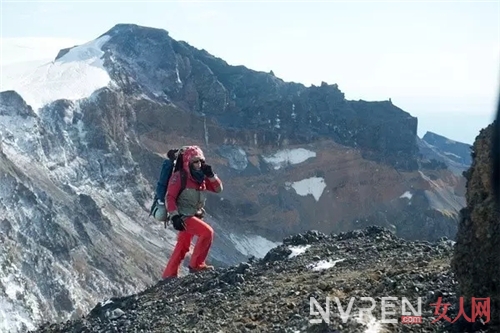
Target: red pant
x: 194, y: 227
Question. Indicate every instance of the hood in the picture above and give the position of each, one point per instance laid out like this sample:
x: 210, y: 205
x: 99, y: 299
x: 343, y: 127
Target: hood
x: 188, y: 154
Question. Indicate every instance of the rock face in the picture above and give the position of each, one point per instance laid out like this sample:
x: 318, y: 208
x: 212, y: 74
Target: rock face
x: 262, y: 110
x: 12, y: 104
x: 69, y: 219
x: 476, y: 261
x: 273, y: 294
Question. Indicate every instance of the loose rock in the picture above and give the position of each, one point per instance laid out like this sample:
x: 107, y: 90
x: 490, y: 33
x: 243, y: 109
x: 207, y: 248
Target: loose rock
x: 273, y: 294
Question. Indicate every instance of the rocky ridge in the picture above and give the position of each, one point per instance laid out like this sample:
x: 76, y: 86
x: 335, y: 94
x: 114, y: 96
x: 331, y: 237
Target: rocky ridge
x: 457, y: 151
x: 273, y: 294
x: 444, y: 153
x: 254, y: 108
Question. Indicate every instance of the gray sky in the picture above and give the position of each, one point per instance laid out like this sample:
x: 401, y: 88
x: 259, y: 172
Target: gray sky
x: 437, y: 60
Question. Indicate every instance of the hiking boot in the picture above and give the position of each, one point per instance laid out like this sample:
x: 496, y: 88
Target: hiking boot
x: 201, y: 269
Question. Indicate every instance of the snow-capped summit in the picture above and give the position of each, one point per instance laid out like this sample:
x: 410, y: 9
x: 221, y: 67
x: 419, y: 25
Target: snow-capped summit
x: 75, y: 75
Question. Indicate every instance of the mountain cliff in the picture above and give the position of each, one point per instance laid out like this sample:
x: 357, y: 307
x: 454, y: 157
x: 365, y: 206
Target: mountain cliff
x: 83, y: 139
x: 476, y: 261
x: 254, y: 108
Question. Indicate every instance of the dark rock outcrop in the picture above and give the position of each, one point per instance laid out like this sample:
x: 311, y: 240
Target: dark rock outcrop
x: 476, y: 261
x: 11, y: 104
x: 63, y: 52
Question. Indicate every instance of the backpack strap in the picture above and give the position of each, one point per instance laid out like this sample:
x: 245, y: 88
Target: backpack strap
x: 183, y: 180
x: 179, y: 167
x: 183, y: 176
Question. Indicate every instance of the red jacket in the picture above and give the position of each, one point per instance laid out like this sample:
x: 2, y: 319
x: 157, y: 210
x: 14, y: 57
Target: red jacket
x: 192, y: 200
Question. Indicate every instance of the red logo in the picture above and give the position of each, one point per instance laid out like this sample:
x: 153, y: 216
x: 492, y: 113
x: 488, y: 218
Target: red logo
x: 480, y: 308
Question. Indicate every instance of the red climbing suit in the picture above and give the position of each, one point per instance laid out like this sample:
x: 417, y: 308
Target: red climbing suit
x: 189, y: 203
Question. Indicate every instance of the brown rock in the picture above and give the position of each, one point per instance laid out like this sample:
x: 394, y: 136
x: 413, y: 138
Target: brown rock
x: 476, y: 261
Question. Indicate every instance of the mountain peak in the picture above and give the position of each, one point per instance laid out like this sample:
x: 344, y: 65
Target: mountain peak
x: 430, y: 136
x: 456, y: 155
x: 437, y: 139
x: 134, y: 29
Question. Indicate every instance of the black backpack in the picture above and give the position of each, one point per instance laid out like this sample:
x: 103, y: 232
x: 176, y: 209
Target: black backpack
x: 167, y: 170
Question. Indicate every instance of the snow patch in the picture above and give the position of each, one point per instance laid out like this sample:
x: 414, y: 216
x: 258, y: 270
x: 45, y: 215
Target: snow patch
x: 75, y: 75
x: 324, y: 264
x: 298, y: 250
x: 278, y: 120
x: 14, y: 318
x: 14, y: 315
x: 106, y: 302
x: 289, y: 156
x: 254, y: 245
x: 407, y: 194
x: 177, y: 73
x: 236, y: 156
x: 372, y: 324
x: 425, y: 177
x: 314, y: 186
x: 12, y: 287
x: 451, y: 154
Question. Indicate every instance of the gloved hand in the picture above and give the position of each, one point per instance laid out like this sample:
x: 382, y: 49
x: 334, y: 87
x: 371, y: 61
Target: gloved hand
x: 207, y: 170
x: 178, y: 223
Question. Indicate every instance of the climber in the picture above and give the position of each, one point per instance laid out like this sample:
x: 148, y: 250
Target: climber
x: 187, y: 210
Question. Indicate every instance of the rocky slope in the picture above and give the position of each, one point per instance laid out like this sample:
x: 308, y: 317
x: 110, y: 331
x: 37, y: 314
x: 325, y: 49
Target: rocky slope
x: 274, y: 294
x: 83, y: 140
x: 69, y: 228
x: 477, y: 258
